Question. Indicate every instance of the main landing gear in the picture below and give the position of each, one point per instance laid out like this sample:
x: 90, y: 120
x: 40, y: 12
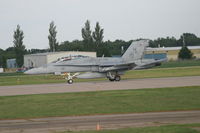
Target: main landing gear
x: 113, y: 76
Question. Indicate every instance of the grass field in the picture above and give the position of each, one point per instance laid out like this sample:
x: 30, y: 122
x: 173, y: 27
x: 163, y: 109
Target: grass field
x: 102, y: 102
x: 187, y: 128
x: 163, y: 72
x: 21, y: 79
x: 182, y: 63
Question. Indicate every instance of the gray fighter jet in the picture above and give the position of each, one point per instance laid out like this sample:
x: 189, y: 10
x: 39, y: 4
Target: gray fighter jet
x: 100, y: 67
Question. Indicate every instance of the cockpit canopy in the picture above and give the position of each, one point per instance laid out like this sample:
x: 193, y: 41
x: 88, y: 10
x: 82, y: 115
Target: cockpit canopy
x: 68, y: 58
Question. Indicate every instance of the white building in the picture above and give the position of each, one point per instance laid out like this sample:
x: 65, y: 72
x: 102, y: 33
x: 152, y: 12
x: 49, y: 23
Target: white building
x: 1, y: 70
x: 11, y: 63
x: 37, y: 60
x: 172, y: 52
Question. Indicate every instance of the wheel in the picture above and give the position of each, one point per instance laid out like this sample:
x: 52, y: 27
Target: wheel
x: 117, y: 78
x: 70, y: 81
x: 111, y: 79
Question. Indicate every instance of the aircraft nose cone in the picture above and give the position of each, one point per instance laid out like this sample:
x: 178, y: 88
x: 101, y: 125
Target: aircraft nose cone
x: 31, y: 71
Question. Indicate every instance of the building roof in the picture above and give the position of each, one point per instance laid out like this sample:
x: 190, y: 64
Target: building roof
x: 171, y: 48
x: 53, y: 53
x: 11, y: 59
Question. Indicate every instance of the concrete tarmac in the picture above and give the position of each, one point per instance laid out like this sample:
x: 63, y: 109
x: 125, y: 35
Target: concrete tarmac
x: 100, y: 86
x: 115, y: 121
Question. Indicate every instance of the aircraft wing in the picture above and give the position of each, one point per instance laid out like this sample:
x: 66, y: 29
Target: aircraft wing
x: 119, y: 66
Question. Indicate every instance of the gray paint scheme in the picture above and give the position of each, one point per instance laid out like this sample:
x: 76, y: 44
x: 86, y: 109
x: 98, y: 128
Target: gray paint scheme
x: 102, y: 66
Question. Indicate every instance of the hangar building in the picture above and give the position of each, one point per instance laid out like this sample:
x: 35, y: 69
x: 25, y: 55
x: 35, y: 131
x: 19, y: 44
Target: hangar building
x: 171, y: 52
x: 37, y: 60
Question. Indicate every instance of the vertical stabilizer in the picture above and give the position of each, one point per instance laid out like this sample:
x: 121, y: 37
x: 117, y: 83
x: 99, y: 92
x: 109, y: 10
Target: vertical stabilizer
x: 136, y: 50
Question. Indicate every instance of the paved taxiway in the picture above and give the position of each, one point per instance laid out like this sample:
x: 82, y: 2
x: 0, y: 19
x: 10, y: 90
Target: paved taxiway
x: 46, y: 125
x: 100, y: 86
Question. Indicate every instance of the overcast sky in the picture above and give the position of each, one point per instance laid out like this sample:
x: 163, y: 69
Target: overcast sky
x: 121, y: 19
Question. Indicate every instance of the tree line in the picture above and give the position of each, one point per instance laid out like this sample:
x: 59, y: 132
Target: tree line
x: 189, y: 38
x: 92, y: 40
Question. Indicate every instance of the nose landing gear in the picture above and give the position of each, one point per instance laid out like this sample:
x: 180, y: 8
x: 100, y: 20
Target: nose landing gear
x: 70, y: 81
x: 70, y: 77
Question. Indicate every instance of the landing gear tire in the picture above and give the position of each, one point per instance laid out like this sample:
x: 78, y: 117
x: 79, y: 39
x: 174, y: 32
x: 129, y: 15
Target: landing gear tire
x: 117, y: 78
x: 111, y: 79
x: 70, y: 81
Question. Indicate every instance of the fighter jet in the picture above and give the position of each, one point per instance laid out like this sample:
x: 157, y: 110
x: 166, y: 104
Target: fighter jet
x: 111, y: 68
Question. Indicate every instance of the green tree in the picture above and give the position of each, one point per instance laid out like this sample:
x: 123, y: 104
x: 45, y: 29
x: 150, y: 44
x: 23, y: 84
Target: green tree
x: 98, y: 40
x: 185, y: 53
x: 3, y: 59
x: 98, y: 35
x: 87, y: 36
x: 75, y: 45
x: 190, y: 39
x: 18, y: 46
x: 53, y: 44
x: 166, y: 42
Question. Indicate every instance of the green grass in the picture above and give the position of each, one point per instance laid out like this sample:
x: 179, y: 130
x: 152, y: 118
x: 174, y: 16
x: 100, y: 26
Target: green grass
x: 102, y: 102
x: 187, y: 128
x: 30, y: 79
x: 21, y: 79
x: 181, y: 63
x: 163, y: 72
x: 11, y: 74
